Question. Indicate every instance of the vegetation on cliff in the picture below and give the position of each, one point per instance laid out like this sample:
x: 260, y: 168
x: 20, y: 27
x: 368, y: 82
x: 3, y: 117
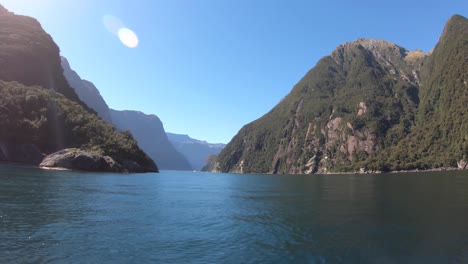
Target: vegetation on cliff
x: 39, y: 108
x: 52, y: 122
x: 370, y: 104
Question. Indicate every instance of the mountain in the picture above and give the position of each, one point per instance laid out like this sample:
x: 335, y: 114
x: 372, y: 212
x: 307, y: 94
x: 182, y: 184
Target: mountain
x: 41, y: 114
x: 148, y: 130
x: 29, y: 55
x: 86, y: 91
x: 195, y: 151
x: 210, y: 163
x: 371, y: 105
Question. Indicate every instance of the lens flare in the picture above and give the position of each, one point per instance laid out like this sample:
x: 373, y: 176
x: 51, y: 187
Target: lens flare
x: 112, y: 24
x: 128, y: 37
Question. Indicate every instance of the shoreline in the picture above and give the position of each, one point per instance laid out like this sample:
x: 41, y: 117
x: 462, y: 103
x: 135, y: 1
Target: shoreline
x: 53, y: 168
x: 398, y: 171
x: 21, y: 164
x: 354, y: 172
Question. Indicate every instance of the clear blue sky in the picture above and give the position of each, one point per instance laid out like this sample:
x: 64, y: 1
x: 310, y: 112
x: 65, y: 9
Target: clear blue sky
x: 208, y: 67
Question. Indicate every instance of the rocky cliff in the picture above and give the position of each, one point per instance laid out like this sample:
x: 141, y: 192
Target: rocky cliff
x: 371, y: 105
x: 39, y: 112
x: 29, y: 55
x: 148, y: 130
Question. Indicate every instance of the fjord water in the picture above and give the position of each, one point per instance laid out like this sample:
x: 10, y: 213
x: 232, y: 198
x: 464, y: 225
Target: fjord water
x: 192, y: 217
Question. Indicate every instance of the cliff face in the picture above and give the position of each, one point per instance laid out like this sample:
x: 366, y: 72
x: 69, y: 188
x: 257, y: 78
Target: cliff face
x: 39, y: 112
x: 148, y: 130
x: 31, y: 55
x: 364, y: 106
x: 86, y: 91
x: 195, y: 151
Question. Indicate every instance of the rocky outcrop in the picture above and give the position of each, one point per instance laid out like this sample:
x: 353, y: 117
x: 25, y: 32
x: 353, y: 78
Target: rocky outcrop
x: 20, y: 153
x: 76, y: 159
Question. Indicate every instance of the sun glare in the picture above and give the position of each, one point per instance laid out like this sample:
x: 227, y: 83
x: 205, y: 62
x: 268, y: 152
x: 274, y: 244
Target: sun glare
x: 128, y: 37
x: 115, y: 26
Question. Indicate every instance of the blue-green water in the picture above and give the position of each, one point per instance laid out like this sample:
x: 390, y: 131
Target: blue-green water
x: 187, y: 217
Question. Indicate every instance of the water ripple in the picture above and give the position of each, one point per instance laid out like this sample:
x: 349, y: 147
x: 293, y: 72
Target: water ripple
x: 176, y: 217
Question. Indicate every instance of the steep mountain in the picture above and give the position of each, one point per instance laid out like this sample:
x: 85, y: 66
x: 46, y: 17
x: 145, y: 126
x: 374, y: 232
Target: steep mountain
x: 210, y: 163
x: 148, y: 130
x: 195, y: 151
x: 440, y: 135
x: 41, y: 114
x: 86, y: 91
x: 370, y: 105
x: 38, y: 120
x: 29, y: 55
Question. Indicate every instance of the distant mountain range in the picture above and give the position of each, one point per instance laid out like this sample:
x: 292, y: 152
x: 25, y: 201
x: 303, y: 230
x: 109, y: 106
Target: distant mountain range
x: 196, y: 151
x: 150, y: 134
x: 371, y: 105
x: 148, y: 130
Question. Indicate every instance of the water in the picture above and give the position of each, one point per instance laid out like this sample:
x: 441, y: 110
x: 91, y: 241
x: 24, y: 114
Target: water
x: 187, y: 217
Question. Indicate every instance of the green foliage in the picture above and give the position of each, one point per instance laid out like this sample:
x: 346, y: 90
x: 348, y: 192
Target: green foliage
x: 53, y: 122
x: 415, y: 116
x: 440, y: 136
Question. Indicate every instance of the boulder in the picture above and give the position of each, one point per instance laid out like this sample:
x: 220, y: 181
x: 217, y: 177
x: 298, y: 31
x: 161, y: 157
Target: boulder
x: 77, y: 159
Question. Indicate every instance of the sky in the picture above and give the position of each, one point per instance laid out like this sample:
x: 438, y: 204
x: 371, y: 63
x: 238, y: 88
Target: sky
x: 208, y: 67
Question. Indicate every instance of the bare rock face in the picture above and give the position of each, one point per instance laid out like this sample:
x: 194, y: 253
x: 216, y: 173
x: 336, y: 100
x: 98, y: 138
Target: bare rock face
x: 77, y: 159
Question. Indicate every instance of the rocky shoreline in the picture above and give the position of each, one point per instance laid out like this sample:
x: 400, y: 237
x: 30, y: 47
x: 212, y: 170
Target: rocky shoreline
x: 66, y: 159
